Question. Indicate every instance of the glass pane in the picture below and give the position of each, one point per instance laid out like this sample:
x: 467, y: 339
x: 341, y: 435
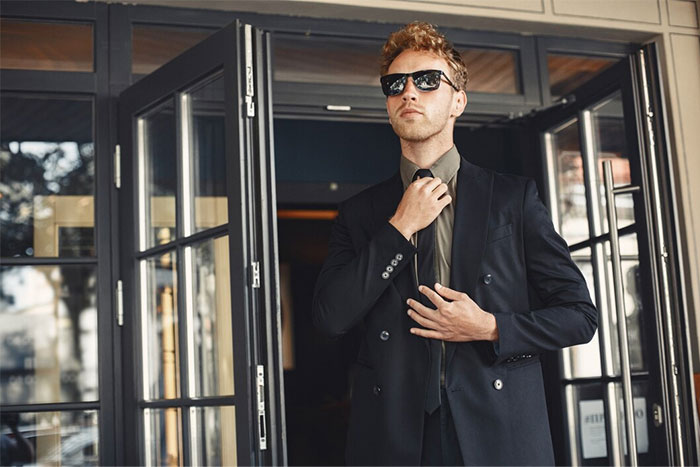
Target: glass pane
x: 163, y: 436
x: 492, y: 71
x: 50, y: 438
x: 161, y: 356
x: 567, y: 72
x: 205, y: 188
x: 31, y: 45
x: 48, y: 334
x: 571, y: 190
x: 211, y: 319
x: 610, y: 145
x: 584, y: 359
x: 213, y: 435
x: 153, y: 46
x: 634, y: 313
x: 586, y: 414
x: 312, y: 59
x: 47, y: 172
x: 157, y: 175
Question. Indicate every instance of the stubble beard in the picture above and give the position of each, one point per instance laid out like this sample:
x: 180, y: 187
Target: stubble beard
x: 418, y: 131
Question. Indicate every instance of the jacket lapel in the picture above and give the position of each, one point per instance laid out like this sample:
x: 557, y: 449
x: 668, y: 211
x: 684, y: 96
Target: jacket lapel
x: 470, y: 228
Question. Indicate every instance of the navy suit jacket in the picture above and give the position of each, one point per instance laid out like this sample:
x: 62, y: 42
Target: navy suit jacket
x: 504, y: 251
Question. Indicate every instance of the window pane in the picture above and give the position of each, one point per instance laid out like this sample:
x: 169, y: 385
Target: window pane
x: 567, y: 72
x: 324, y: 60
x: 213, y: 435
x: 159, y: 314
x: 153, y: 46
x: 211, y: 319
x: 309, y: 59
x: 48, y: 334
x: 157, y: 182
x: 571, y: 191
x: 206, y: 163
x: 50, y: 438
x: 492, y: 71
x: 163, y: 436
x: 584, y: 359
x: 47, y: 171
x: 30, y: 45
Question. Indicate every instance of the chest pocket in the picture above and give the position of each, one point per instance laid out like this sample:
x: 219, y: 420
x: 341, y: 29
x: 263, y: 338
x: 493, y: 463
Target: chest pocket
x: 500, y: 232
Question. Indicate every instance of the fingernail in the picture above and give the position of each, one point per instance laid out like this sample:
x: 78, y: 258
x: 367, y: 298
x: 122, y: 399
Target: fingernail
x: 437, y: 285
x: 409, y: 312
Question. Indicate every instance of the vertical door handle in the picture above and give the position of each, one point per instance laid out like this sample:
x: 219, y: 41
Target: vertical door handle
x: 610, y: 193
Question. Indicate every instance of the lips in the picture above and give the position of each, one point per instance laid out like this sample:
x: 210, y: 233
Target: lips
x: 409, y: 112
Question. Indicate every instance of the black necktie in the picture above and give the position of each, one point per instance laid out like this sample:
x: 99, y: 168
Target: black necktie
x: 427, y: 277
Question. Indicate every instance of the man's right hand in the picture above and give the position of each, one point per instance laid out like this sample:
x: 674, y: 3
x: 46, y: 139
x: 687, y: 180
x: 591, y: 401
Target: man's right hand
x: 420, y: 205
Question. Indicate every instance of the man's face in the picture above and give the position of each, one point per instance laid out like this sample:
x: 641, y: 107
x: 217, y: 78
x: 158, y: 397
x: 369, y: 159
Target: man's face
x: 417, y: 115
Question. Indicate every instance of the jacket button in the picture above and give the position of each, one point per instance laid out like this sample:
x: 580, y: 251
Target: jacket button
x: 377, y: 390
x: 390, y: 269
x: 394, y: 262
x: 384, y: 335
x: 385, y: 275
x: 398, y: 256
x: 487, y: 278
x: 498, y: 385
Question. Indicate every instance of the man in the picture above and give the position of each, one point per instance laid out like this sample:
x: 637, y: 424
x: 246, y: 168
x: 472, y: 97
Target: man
x: 442, y: 269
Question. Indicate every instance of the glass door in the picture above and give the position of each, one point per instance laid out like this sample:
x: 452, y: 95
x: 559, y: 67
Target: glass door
x: 198, y: 272
x: 619, y: 392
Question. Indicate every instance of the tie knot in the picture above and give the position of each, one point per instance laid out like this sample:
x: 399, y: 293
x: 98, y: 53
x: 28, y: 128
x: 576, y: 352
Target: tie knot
x: 422, y: 173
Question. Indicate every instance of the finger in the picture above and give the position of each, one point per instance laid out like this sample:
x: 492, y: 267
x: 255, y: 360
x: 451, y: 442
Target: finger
x: 427, y: 333
x: 420, y: 308
x: 432, y: 183
x: 423, y: 321
x: 440, y: 190
x: 450, y: 293
x: 432, y: 296
x: 444, y: 201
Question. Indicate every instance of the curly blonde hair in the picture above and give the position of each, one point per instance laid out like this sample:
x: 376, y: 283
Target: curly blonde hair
x: 420, y: 36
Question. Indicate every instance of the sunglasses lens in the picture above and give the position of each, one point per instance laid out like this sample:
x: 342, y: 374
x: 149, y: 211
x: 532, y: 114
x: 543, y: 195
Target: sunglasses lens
x: 428, y: 80
x: 393, y: 85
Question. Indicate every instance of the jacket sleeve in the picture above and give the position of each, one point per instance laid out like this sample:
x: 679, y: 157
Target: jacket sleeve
x: 568, y: 317
x: 351, y: 281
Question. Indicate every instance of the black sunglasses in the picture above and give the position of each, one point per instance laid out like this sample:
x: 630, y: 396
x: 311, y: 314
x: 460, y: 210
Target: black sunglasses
x: 424, y: 80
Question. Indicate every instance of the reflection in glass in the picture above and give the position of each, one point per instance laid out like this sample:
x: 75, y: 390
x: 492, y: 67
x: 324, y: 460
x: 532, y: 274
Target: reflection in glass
x: 33, y: 45
x: 568, y: 72
x: 585, y: 358
x: 609, y: 133
x: 205, y: 166
x: 211, y: 319
x: 49, y: 438
x: 213, y: 435
x: 571, y: 190
x: 163, y: 436
x: 161, y: 358
x: 157, y: 175
x: 492, y: 71
x: 48, y: 334
x: 153, y: 46
x: 47, y: 176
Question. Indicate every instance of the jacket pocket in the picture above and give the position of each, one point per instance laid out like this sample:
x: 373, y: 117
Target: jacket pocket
x: 500, y: 232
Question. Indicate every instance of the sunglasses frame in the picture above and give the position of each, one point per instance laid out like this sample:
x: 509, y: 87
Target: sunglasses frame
x: 388, y: 80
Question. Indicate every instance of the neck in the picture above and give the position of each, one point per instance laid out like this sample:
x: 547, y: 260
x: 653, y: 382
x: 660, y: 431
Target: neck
x: 425, y: 153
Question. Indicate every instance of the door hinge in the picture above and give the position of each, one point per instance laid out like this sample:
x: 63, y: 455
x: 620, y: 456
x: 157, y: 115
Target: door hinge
x: 256, y: 274
x: 262, y: 422
x: 120, y: 303
x: 657, y: 414
x: 118, y: 166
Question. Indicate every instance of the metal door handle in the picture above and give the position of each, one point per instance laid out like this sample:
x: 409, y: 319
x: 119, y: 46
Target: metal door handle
x: 610, y: 193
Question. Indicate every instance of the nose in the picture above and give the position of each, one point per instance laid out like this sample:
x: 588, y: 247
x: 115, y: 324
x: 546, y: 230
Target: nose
x: 410, y: 92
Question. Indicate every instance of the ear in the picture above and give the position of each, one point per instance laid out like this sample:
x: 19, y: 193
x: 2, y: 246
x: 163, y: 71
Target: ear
x: 459, y: 103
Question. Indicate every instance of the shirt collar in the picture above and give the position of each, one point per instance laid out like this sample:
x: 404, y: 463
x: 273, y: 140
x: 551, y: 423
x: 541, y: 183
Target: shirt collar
x: 445, y: 167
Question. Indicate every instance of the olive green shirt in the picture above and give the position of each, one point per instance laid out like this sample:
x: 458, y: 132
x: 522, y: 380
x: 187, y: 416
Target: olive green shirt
x: 445, y: 168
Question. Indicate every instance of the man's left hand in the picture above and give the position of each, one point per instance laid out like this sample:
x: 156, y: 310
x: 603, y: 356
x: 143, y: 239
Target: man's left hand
x: 457, y: 318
